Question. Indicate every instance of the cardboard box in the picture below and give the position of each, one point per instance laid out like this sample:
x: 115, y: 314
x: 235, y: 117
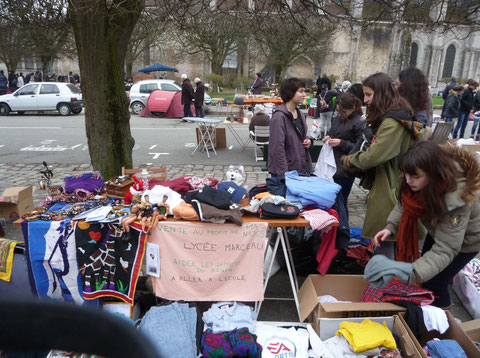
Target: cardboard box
x: 472, y: 329
x: 454, y: 332
x: 15, y: 202
x: 220, y: 139
x: 404, y: 342
x: 343, y: 288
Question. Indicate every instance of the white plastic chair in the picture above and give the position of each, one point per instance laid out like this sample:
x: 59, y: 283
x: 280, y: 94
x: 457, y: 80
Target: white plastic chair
x: 260, y: 138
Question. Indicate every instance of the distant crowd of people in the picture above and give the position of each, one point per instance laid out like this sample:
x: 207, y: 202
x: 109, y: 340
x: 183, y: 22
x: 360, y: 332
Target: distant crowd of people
x: 16, y: 80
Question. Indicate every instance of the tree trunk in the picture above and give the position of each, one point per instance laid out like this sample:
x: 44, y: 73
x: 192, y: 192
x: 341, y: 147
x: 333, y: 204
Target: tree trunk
x: 101, y: 36
x: 129, y: 69
x: 47, y: 62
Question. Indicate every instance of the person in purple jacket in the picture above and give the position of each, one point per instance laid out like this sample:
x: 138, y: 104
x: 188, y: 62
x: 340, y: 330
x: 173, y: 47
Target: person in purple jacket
x: 288, y: 147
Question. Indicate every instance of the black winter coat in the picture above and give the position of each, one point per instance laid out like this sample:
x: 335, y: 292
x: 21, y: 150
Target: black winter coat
x: 199, y: 94
x: 451, y: 105
x: 349, y: 131
x: 3, y: 83
x: 466, y: 102
x: 187, y: 92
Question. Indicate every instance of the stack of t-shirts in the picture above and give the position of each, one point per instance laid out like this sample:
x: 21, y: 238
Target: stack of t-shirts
x: 282, y: 342
x: 364, y: 339
x: 171, y: 329
x: 230, y: 331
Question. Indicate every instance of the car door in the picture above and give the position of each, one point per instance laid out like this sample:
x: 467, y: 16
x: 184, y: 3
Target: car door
x: 25, y: 99
x: 48, y: 97
x: 145, y: 90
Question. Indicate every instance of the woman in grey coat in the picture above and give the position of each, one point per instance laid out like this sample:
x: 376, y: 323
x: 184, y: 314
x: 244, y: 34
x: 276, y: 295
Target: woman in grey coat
x: 347, y: 128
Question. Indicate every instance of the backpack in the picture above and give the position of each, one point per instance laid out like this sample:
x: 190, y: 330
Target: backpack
x: 322, y: 103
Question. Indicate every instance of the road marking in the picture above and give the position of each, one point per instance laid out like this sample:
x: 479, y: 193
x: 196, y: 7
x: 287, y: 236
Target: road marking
x: 2, y: 145
x: 76, y: 146
x: 85, y: 147
x: 190, y: 145
x: 43, y: 148
x: 30, y: 127
x: 153, y: 146
x: 48, y: 141
x: 157, y: 155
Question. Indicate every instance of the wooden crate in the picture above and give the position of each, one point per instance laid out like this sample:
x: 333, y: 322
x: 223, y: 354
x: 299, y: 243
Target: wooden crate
x: 118, y: 190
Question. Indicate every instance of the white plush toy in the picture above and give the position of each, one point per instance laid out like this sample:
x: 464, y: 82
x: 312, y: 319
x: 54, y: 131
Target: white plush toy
x: 236, y: 173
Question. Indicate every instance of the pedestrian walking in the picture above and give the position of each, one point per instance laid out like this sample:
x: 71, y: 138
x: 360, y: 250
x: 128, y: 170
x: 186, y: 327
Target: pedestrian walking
x: 452, y: 104
x: 21, y: 80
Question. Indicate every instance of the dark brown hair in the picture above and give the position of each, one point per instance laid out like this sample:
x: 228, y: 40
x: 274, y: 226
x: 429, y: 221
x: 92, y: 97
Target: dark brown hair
x: 440, y: 168
x: 289, y: 87
x: 414, y: 88
x: 385, y: 98
x: 349, y: 101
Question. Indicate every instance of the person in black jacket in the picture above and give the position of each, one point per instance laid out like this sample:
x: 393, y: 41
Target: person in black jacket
x: 476, y: 108
x: 3, y: 83
x: 466, y: 105
x: 446, y: 91
x: 325, y: 113
x: 347, y: 128
x: 187, y: 96
x: 199, y: 97
x: 452, y: 103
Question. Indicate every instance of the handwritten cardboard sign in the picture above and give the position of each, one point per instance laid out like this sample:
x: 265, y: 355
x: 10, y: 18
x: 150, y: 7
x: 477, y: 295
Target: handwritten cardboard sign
x: 210, y: 262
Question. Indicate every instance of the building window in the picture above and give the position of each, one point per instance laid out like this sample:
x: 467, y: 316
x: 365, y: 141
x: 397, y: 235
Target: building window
x: 413, y: 55
x: 29, y: 63
x: 449, y: 61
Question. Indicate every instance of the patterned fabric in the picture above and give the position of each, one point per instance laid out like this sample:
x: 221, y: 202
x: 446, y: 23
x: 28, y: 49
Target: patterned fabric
x: 398, y: 291
x: 6, y: 258
x: 237, y: 343
x: 52, y: 260
x: 109, y: 263
x: 319, y: 218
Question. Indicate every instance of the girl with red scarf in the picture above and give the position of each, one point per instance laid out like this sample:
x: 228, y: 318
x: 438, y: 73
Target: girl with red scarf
x: 441, y: 187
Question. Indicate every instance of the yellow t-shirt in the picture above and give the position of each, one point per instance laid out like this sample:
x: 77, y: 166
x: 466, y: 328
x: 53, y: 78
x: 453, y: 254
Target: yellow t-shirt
x: 367, y: 335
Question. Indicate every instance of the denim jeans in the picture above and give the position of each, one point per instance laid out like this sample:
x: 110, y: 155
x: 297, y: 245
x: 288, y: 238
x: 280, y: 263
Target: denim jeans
x: 171, y: 330
x: 475, y: 124
x: 346, y: 184
x: 439, y: 283
x: 461, y: 124
x: 199, y: 112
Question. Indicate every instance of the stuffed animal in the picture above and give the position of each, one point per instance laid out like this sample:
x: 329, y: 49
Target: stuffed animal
x: 236, y: 173
x: 136, y: 191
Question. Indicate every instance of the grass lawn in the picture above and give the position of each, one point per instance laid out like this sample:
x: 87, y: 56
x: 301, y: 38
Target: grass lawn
x: 437, y: 100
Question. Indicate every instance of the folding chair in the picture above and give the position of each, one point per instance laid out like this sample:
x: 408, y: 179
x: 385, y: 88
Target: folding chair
x: 441, y: 132
x: 156, y: 173
x: 260, y: 138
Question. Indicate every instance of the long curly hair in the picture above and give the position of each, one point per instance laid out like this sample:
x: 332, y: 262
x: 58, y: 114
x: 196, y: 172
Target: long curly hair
x: 385, y: 98
x: 414, y: 88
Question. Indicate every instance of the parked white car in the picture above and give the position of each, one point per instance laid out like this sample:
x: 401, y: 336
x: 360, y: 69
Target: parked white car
x: 141, y: 90
x: 43, y: 96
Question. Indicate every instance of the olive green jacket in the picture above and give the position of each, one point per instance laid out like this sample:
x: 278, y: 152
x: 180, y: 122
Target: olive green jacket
x: 459, y: 228
x: 380, y: 161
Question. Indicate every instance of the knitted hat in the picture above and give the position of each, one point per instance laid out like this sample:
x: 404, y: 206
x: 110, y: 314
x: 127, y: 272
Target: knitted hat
x: 236, y: 192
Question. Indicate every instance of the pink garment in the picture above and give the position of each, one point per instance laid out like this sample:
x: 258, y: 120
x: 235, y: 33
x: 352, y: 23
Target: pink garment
x: 185, y: 183
x: 327, y: 250
x: 319, y: 219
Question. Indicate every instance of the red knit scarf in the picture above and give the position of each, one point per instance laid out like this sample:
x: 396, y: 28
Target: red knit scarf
x: 407, y: 237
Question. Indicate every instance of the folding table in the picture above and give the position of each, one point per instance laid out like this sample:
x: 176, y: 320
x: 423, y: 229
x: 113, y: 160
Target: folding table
x: 206, y: 130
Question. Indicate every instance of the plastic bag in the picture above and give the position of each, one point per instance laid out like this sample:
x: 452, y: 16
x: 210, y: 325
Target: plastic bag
x: 316, y: 131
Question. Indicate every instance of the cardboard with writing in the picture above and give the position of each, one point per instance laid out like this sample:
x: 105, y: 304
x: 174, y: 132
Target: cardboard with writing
x: 15, y: 202
x: 329, y: 327
x: 343, y: 288
x: 454, y: 332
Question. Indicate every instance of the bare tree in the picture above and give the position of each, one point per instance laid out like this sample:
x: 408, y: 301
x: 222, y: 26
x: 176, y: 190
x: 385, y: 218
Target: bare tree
x: 13, y: 44
x: 207, y: 29
x: 102, y: 30
x: 43, y: 24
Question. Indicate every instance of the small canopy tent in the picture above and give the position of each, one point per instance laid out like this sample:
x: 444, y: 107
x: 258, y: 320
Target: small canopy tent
x: 158, y: 67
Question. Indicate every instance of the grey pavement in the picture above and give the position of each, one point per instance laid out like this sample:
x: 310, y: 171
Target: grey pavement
x: 276, y: 310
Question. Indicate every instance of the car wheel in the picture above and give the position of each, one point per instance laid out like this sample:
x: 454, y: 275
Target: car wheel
x: 64, y: 109
x: 137, y: 107
x: 76, y: 110
x: 4, y: 109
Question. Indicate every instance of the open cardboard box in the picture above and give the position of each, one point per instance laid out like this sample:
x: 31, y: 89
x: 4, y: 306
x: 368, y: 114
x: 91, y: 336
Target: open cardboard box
x: 472, y: 329
x: 343, y: 288
x: 329, y: 327
x: 16, y: 201
x: 454, y: 332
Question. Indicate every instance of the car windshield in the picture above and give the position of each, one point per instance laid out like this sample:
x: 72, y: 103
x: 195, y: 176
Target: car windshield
x: 73, y: 89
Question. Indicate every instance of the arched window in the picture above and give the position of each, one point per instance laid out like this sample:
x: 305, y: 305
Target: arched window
x: 413, y: 55
x: 449, y: 61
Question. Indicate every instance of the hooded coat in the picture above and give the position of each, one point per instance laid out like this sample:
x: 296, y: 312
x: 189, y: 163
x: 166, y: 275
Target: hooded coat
x: 187, y: 92
x: 459, y: 228
x: 286, y: 151
x: 451, y: 105
x: 199, y: 95
x: 394, y: 135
